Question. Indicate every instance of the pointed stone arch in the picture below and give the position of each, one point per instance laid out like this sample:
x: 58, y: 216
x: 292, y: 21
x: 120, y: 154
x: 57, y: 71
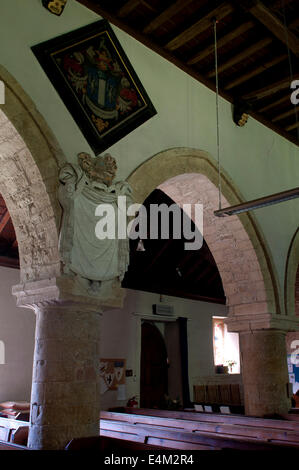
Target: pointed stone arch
x: 30, y: 159
x: 242, y: 257
x: 291, y: 282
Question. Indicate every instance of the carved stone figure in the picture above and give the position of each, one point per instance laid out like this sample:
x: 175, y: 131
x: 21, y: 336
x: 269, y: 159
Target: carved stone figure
x: 83, y: 188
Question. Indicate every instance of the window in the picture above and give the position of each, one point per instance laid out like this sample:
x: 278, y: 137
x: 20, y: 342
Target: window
x: 226, y: 347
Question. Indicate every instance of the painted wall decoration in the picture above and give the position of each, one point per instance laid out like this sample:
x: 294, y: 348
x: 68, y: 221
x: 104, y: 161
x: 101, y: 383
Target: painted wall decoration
x: 55, y: 6
x: 97, y: 83
x: 112, y: 373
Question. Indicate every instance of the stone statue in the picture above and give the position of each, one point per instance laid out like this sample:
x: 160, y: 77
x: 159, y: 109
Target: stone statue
x: 83, y: 187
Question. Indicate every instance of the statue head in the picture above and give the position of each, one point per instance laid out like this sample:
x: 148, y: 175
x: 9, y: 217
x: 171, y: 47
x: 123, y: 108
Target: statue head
x: 102, y: 169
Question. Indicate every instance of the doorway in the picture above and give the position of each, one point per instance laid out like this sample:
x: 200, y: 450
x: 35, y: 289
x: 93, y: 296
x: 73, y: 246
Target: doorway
x: 153, y: 367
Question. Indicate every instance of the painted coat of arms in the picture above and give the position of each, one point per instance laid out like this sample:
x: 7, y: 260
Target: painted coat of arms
x: 96, y: 81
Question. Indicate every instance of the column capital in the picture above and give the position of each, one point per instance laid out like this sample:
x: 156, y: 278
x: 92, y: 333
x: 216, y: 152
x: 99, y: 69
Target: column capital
x: 66, y: 291
x: 253, y: 317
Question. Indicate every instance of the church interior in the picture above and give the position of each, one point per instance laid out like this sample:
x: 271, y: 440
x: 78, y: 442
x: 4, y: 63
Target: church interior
x: 117, y: 120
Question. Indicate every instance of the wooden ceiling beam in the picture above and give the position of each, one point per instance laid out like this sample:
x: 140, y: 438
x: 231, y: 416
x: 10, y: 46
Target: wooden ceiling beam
x: 96, y: 7
x: 205, y: 272
x: 194, y: 267
x: 236, y: 59
x: 162, y: 250
x: 256, y: 71
x: 278, y: 3
x: 285, y: 115
x: 166, y: 15
x: 200, y: 26
x: 221, y: 42
x: 4, y: 221
x: 126, y: 9
x: 273, y: 24
x: 292, y: 127
x: 294, y: 24
x: 270, y: 89
x: 274, y: 104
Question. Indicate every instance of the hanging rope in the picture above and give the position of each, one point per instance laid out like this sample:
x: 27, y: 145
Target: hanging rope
x: 217, y: 111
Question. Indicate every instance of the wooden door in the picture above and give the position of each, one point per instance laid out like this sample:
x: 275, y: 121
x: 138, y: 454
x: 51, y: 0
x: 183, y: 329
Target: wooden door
x: 154, y: 368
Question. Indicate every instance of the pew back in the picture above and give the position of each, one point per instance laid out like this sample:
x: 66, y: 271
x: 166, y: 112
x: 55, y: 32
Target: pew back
x: 179, y: 438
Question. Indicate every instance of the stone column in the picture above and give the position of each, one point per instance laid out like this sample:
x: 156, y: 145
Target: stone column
x: 265, y: 373
x: 263, y: 358
x: 65, y: 396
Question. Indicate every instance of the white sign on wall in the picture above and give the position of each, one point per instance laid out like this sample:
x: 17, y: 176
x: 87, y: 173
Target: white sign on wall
x: 2, y: 352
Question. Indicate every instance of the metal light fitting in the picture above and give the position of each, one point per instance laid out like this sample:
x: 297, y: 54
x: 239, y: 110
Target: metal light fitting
x: 258, y: 203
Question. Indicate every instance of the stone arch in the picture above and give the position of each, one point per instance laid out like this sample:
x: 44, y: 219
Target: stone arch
x: 291, y: 279
x: 30, y: 159
x: 241, y: 255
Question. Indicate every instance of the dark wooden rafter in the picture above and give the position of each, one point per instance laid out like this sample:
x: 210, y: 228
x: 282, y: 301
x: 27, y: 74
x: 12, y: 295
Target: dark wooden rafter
x: 127, y: 8
x: 256, y: 71
x: 275, y: 104
x: 200, y: 26
x: 292, y: 126
x: 165, y: 247
x: 190, y: 61
x: 4, y: 221
x: 243, y: 28
x: 273, y: 24
x: 166, y: 15
x: 205, y: 272
x: 284, y: 115
x: 278, y: 3
x: 193, y: 268
x: 294, y: 24
x: 237, y: 58
x: 270, y: 89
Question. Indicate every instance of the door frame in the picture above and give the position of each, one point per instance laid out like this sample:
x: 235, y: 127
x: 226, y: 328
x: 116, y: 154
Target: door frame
x: 139, y: 318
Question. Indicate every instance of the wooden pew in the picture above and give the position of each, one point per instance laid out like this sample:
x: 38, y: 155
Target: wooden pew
x: 264, y: 433
x: 175, y: 438
x: 230, y: 430
x: 107, y: 444
x: 12, y: 430
x: 11, y: 446
x: 285, y: 424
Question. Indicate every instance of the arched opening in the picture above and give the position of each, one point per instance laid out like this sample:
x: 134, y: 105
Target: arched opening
x: 188, y: 175
x: 248, y: 275
x: 163, y: 265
